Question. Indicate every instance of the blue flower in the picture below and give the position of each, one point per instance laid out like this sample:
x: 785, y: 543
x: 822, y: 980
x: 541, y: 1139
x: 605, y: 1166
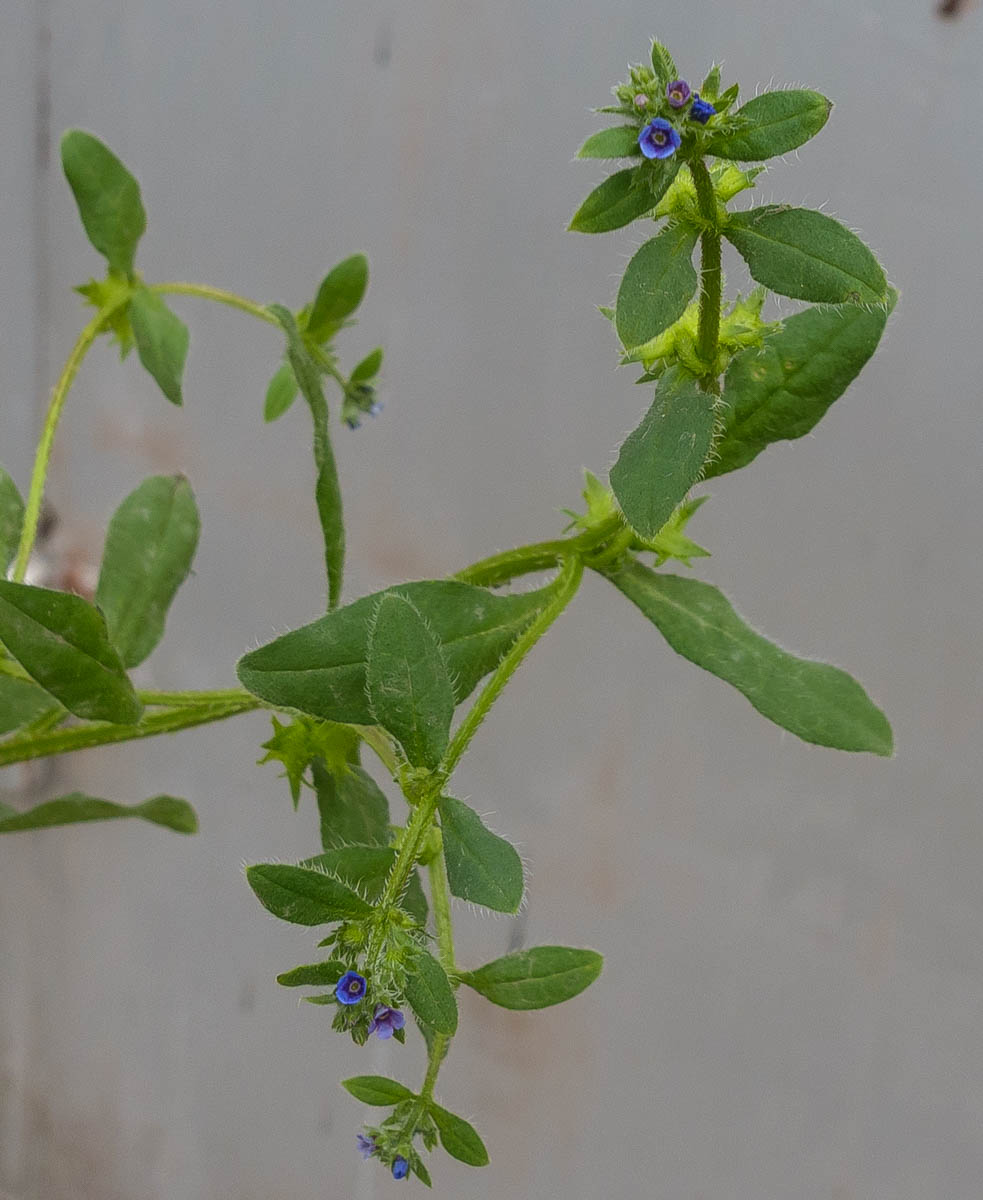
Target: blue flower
x: 677, y: 93
x: 401, y: 1168
x: 366, y: 1145
x: 701, y: 110
x: 350, y: 988
x: 658, y: 139
x: 386, y: 1021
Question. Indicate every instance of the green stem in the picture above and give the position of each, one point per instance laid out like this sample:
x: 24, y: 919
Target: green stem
x: 711, y: 277
x: 440, y: 897
x: 219, y: 295
x: 195, y: 699
x: 538, y: 556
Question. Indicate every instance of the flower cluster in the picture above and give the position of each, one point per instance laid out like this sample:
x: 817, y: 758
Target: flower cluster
x: 393, y: 1142
x: 660, y: 138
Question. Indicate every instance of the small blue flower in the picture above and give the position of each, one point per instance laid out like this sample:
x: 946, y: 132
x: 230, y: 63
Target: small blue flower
x: 366, y: 1145
x: 677, y: 93
x: 350, y: 988
x: 401, y: 1168
x: 386, y: 1021
x: 659, y: 139
x: 701, y: 110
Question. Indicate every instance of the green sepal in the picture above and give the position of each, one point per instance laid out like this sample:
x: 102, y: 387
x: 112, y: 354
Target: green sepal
x: 303, y: 896
x: 481, y: 866
x: 108, y: 198
x: 658, y: 284
x: 11, y: 520
x: 340, y: 293
x: 322, y: 974
x: 281, y: 392
x: 161, y: 340
x: 407, y: 681
x: 663, y: 64
x: 429, y: 994
x: 804, y: 254
x: 620, y: 141
x: 62, y: 643
x: 536, y: 978
x: 772, y: 124
x: 663, y: 458
x: 783, y: 389
x: 458, y: 1137
x: 671, y: 541
x: 150, y: 545
x: 817, y: 702
x: 302, y: 742
x: 711, y: 83
x: 113, y: 294
x: 76, y: 808
x: 377, y: 1090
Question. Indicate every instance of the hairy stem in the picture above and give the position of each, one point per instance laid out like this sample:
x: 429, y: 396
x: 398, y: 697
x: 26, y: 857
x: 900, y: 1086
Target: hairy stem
x: 205, y: 292
x: 711, y: 277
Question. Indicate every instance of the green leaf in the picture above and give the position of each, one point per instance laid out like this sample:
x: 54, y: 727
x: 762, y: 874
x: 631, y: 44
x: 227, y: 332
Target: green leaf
x: 782, y: 389
x: 806, y: 255
x: 711, y: 83
x: 368, y: 368
x: 108, y: 198
x: 459, y: 1139
x: 75, y: 808
x: 20, y: 702
x: 161, y: 340
x: 621, y: 141
x: 377, y: 1090
x: 536, y: 978
x: 429, y: 994
x: 11, y: 520
x: 773, y: 123
x: 816, y: 702
x: 409, y: 687
x: 150, y: 545
x: 320, y: 668
x: 304, y: 896
x: 663, y: 64
x: 662, y: 459
x: 281, y: 393
x: 327, y: 491
x: 481, y: 867
x: 657, y: 286
x: 622, y: 198
x: 62, y: 643
x: 363, y: 868
x: 322, y: 974
x: 340, y: 293
x: 353, y: 808
x: 414, y: 901
x: 420, y: 1171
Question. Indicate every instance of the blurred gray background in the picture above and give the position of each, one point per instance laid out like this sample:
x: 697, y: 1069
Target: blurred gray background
x: 793, y: 999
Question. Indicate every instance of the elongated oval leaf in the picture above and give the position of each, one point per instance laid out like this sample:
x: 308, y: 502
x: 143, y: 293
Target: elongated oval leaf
x: 662, y: 459
x: 663, y: 64
x: 377, y: 1090
x: 340, y: 293
x: 806, y: 255
x: 369, y: 366
x: 353, y: 808
x: 813, y: 700
x: 363, y: 868
x: 320, y: 668
x: 408, y: 684
x: 322, y: 974
x: 161, y: 339
x: 621, y: 199
x: 536, y: 978
x: 11, y: 520
x: 281, y: 393
x: 304, y: 896
x: 150, y: 545
x: 481, y: 866
x: 429, y: 994
x: 657, y: 286
x: 459, y: 1139
x: 20, y: 701
x: 619, y: 142
x: 775, y: 123
x: 782, y: 389
x: 76, y: 808
x: 61, y: 641
x: 108, y: 198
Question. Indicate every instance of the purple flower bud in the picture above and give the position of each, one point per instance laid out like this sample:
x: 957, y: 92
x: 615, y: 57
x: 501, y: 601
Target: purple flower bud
x: 641, y: 100
x: 366, y: 1145
x: 386, y: 1021
x: 677, y: 92
x: 401, y: 1168
x: 659, y: 139
x: 350, y: 988
x: 701, y: 110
